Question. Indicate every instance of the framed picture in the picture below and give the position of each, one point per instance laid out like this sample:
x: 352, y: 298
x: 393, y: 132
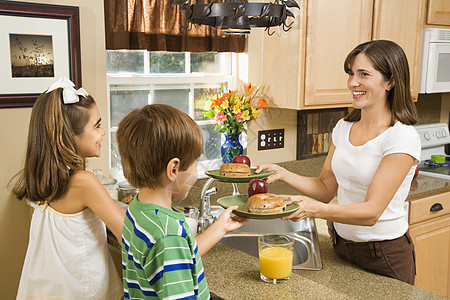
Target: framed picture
x: 314, y: 128
x: 39, y: 43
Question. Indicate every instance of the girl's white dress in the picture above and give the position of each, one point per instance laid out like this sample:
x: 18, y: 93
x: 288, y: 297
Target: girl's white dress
x: 68, y: 258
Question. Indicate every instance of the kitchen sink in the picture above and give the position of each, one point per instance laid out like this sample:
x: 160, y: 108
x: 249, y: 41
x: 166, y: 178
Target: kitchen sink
x: 306, y: 243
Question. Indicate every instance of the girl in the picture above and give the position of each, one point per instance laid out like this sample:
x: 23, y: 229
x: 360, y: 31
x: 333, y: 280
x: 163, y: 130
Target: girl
x: 370, y: 166
x: 67, y: 255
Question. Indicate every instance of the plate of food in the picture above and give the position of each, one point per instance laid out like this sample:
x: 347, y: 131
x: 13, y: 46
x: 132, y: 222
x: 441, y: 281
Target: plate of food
x: 237, y: 172
x: 263, y: 206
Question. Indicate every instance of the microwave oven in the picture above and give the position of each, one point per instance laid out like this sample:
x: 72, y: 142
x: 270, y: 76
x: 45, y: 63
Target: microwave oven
x: 435, y: 68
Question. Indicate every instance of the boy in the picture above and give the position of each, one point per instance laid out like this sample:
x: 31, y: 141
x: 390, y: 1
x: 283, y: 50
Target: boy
x: 159, y: 146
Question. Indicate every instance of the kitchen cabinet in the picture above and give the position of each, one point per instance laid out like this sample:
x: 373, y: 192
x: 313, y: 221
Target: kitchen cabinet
x: 438, y: 12
x: 430, y: 232
x: 389, y: 23
x: 303, y: 69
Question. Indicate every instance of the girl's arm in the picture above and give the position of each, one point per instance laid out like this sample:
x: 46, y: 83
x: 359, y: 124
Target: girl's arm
x: 95, y: 196
x: 214, y: 233
x: 322, y: 188
x: 389, y: 176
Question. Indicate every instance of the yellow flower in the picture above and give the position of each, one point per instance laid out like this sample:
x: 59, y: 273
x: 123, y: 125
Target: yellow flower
x: 236, y: 109
x: 225, y: 104
x: 256, y: 113
x: 245, y: 115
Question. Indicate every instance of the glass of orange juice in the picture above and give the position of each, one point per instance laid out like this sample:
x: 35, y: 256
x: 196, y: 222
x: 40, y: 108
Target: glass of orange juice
x: 276, y: 252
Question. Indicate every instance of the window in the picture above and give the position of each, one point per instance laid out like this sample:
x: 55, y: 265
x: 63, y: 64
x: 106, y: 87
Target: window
x: 183, y: 80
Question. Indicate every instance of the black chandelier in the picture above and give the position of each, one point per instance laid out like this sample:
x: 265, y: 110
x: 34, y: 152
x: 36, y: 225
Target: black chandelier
x: 238, y: 16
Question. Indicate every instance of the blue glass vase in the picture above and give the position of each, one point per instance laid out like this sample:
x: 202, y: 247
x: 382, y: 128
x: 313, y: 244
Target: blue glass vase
x: 231, y: 147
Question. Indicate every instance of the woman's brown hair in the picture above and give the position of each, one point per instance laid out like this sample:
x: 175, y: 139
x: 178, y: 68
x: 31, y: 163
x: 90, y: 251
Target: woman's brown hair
x: 51, y: 155
x: 150, y: 137
x: 388, y: 58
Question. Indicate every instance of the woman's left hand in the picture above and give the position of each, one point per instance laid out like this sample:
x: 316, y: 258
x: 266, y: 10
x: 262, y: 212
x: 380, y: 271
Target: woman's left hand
x: 308, y: 208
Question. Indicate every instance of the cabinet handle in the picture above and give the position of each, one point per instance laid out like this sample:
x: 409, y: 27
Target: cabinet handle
x: 436, y: 207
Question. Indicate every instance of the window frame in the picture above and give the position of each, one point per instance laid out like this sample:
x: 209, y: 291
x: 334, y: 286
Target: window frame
x: 185, y: 79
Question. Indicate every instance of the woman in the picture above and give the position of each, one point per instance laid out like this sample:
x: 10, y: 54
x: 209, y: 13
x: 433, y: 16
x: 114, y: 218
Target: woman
x: 370, y: 166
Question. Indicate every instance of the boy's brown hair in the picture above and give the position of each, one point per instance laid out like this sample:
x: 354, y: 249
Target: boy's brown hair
x: 150, y: 137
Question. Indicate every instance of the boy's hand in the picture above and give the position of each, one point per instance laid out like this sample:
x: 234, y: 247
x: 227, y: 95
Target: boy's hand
x: 229, y: 223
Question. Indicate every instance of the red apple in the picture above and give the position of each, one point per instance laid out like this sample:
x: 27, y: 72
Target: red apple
x: 416, y: 173
x: 257, y: 186
x: 241, y: 159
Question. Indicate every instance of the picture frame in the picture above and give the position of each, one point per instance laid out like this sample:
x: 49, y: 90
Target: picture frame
x: 314, y: 129
x: 40, y: 43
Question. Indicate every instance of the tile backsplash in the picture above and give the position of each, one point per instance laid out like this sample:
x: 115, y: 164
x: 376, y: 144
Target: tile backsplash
x: 314, y: 130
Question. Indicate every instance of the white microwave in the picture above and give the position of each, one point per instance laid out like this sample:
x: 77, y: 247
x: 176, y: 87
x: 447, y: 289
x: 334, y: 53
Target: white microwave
x: 435, y: 69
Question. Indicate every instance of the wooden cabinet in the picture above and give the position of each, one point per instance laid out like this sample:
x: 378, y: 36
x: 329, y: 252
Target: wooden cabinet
x: 438, y: 12
x: 303, y: 68
x: 403, y: 28
x: 430, y: 232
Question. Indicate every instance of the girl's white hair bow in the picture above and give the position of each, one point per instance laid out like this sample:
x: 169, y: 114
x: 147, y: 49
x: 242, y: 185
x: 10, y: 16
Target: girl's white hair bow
x: 70, y: 94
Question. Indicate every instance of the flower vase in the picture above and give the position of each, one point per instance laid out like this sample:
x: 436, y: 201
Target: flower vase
x: 231, y: 147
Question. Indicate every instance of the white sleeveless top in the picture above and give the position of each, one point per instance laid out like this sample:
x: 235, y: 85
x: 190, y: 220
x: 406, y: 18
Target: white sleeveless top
x: 354, y: 168
x: 68, y: 258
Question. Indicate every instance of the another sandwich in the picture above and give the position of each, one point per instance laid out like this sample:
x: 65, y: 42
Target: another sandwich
x: 235, y: 170
x: 266, y: 203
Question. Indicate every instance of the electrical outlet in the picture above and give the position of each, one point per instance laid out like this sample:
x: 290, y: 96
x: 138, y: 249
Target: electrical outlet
x: 270, y: 139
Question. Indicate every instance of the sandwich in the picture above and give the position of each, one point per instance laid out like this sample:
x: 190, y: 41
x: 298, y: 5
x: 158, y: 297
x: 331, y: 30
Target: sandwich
x: 235, y: 170
x: 266, y: 203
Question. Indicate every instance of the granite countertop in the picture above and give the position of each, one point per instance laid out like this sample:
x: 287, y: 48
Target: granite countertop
x: 232, y: 274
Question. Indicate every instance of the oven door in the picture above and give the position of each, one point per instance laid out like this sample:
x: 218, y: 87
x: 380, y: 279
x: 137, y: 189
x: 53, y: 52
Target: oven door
x: 438, y: 68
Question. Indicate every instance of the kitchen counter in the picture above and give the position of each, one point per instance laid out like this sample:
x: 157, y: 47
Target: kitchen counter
x: 232, y: 274
x: 423, y: 186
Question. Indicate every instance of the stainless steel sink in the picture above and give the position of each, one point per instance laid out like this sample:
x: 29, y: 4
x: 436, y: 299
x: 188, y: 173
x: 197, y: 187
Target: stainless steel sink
x: 306, y: 245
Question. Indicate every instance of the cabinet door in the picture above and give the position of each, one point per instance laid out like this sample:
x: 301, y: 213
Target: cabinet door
x: 391, y: 22
x: 432, y: 243
x: 438, y: 12
x: 334, y: 28
x: 283, y: 58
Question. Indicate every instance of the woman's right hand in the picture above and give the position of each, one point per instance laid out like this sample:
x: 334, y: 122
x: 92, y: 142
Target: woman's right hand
x: 278, y: 172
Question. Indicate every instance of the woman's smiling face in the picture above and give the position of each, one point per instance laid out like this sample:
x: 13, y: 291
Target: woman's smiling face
x: 367, y: 84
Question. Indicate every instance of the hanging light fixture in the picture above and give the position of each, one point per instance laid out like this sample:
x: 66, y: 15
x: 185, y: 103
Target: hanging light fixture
x: 238, y: 16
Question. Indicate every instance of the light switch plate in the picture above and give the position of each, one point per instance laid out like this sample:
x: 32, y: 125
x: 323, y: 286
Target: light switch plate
x: 270, y: 139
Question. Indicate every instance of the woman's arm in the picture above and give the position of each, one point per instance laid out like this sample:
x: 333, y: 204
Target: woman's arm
x: 389, y: 176
x: 322, y: 188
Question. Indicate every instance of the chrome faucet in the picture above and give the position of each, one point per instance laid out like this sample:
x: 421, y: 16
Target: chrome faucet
x: 206, y: 219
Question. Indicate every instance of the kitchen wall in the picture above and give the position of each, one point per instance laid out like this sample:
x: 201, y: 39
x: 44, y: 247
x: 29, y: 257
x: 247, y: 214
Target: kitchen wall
x: 14, y: 214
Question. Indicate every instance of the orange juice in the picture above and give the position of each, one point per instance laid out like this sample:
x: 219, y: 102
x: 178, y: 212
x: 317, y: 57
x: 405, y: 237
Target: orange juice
x: 276, y: 262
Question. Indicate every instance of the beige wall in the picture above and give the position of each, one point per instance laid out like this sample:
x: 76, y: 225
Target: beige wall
x: 15, y: 215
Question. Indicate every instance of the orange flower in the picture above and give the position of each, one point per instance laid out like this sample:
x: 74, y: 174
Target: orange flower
x: 217, y: 102
x: 249, y: 88
x: 262, y: 104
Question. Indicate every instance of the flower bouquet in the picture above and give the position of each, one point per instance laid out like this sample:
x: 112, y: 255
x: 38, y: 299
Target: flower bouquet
x: 232, y: 112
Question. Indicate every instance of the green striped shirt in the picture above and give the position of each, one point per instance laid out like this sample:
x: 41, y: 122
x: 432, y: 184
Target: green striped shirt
x: 160, y: 257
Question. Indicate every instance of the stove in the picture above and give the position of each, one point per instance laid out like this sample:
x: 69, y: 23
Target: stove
x: 434, y: 137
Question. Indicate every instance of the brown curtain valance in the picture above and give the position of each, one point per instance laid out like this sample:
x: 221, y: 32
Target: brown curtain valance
x: 154, y: 25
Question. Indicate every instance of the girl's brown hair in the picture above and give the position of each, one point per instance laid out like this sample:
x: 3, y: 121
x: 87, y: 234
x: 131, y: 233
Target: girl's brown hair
x: 150, y: 137
x: 51, y: 155
x: 388, y: 58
